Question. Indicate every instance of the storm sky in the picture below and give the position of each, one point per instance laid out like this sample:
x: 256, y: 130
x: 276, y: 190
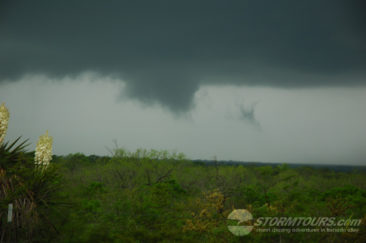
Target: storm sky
x: 280, y: 81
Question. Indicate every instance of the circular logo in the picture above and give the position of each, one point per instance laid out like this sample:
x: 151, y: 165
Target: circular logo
x: 236, y: 219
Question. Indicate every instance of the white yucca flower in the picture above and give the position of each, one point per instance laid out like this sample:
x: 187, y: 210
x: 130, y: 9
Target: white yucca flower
x: 43, y: 153
x: 4, y: 119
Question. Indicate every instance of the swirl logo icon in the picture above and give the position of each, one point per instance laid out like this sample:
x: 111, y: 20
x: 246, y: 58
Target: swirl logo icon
x: 236, y: 222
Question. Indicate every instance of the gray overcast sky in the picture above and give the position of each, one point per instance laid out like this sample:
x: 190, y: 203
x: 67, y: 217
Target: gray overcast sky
x: 242, y: 80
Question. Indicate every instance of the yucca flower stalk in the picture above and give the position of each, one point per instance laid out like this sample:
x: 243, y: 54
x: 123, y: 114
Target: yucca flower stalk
x: 43, y: 154
x: 4, y: 119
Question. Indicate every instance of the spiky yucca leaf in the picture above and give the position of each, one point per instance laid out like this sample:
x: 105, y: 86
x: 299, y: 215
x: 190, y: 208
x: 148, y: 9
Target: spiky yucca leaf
x: 33, y: 194
x: 12, y: 153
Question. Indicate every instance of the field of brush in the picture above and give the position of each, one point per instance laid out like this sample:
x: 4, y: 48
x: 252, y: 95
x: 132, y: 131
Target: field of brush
x: 157, y: 196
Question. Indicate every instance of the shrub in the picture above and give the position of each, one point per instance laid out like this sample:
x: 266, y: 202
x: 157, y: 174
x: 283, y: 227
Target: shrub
x: 29, y: 185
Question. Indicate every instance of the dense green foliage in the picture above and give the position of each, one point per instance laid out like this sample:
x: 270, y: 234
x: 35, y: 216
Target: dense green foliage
x: 156, y: 196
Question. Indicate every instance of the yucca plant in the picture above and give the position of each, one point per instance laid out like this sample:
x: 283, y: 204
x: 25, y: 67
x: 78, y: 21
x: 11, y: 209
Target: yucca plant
x: 30, y: 185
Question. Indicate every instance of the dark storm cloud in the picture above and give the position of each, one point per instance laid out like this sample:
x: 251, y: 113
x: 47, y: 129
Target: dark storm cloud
x: 165, y: 49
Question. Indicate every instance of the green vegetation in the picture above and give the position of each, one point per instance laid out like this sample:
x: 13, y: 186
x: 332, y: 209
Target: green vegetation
x: 157, y: 196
